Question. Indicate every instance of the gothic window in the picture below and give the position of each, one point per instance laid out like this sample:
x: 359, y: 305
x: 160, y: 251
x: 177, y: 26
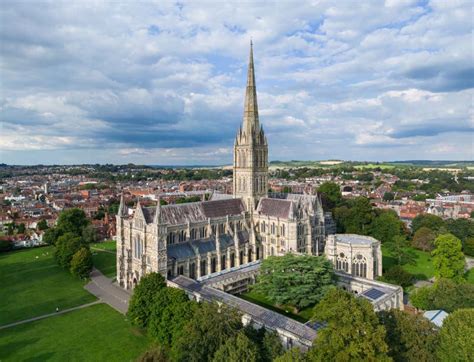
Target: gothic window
x: 213, y: 265
x: 213, y: 228
x: 258, y: 253
x: 181, y: 270
x: 203, y: 232
x: 232, y: 260
x: 283, y: 230
x: 273, y: 228
x: 203, y: 268
x: 182, y: 235
x: 137, y: 250
x: 263, y: 226
x: 359, y: 266
x: 221, y: 228
x: 192, y: 271
x: 223, y: 260
x: 241, y: 257
x: 249, y: 255
x: 171, y: 238
x: 193, y: 234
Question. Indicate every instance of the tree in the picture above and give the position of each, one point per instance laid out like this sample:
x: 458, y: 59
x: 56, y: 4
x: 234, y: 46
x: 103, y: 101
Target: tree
x: 89, y: 235
x: 42, y: 225
x: 430, y: 221
x: 236, y: 349
x: 424, y: 239
x: 72, y: 220
x: 51, y: 235
x: 448, y: 258
x: 331, y: 194
x: 292, y: 355
x: 21, y: 228
x: 81, y: 263
x: 410, y: 337
x: 357, y: 219
x: 388, y: 196
x: 296, y: 280
x: 460, y: 228
x: 386, y: 226
x: 140, y: 305
x: 209, y: 328
x: 5, y: 245
x: 155, y: 354
x: 352, y: 330
x: 397, y: 275
x: 271, y: 346
x: 445, y: 294
x: 398, y: 249
x: 468, y: 246
x: 66, y: 246
x: 170, y: 311
x: 456, y: 336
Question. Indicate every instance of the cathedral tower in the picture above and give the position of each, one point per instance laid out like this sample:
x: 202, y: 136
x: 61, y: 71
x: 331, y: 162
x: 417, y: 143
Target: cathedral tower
x: 250, y: 149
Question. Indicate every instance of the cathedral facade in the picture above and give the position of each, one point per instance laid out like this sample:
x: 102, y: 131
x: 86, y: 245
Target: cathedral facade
x: 202, y: 238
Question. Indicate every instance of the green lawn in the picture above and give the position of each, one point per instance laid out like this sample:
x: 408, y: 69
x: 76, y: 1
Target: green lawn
x: 470, y: 276
x: 32, y: 284
x: 105, y: 262
x: 96, y: 333
x: 422, y: 267
x: 303, y: 316
x: 105, y: 245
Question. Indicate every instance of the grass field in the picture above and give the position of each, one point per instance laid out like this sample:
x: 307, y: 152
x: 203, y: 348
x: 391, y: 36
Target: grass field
x: 105, y: 260
x: 96, y: 333
x: 422, y: 268
x: 303, y: 316
x: 32, y: 284
x: 109, y: 245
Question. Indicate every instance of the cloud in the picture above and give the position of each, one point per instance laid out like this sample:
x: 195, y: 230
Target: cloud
x: 164, y: 82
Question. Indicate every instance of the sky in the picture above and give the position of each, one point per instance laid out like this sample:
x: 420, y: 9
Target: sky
x: 163, y: 82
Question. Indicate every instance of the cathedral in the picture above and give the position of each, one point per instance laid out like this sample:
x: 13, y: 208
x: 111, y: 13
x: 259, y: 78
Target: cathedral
x: 202, y: 238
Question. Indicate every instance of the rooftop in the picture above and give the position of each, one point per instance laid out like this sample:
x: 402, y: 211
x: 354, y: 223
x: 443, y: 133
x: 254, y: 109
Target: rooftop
x: 356, y: 239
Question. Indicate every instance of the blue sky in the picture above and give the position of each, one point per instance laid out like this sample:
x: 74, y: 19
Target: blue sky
x: 163, y: 83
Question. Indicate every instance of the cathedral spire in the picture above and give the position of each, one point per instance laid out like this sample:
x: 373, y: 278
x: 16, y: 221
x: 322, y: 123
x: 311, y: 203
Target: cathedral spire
x: 251, y: 107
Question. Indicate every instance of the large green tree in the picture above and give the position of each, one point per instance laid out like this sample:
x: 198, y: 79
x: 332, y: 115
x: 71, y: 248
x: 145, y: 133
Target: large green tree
x: 398, y: 248
x: 445, y: 294
x: 460, y: 228
x: 331, y: 194
x: 423, y: 239
x: 236, y: 349
x: 72, y: 221
x: 170, y: 311
x: 66, y: 246
x: 430, y: 221
x: 457, y: 336
x: 209, y: 328
x: 468, y: 246
x: 356, y: 217
x: 448, y: 258
x: 298, y: 280
x: 81, y: 263
x: 410, y: 337
x: 292, y: 355
x: 386, y: 226
x: 142, y: 300
x: 351, y: 332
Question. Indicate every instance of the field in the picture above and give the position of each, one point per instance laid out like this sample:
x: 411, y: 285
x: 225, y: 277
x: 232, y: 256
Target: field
x: 32, y: 284
x: 422, y: 267
x: 105, y: 258
x: 96, y: 333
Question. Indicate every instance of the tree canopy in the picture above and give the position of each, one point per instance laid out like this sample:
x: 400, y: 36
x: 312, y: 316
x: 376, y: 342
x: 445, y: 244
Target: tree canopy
x: 141, y: 302
x: 236, y: 349
x: 205, y: 332
x: 81, y: 263
x: 457, y: 336
x: 445, y: 294
x: 430, y: 221
x: 331, y: 194
x: 410, y: 337
x: 298, y: 280
x: 386, y: 226
x: 170, y: 311
x: 448, y: 258
x: 66, y: 246
x: 423, y: 239
x: 351, y: 332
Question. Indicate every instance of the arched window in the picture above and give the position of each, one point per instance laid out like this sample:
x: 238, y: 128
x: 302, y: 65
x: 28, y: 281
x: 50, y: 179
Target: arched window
x: 192, y: 271
x: 213, y: 265
x: 283, y: 230
x: 223, y: 262
x: 232, y: 260
x: 193, y: 234
x: 203, y: 267
x: 359, y: 266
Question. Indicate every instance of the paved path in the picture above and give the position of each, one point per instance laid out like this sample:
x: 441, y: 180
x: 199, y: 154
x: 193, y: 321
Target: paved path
x: 104, y: 289
x: 50, y: 315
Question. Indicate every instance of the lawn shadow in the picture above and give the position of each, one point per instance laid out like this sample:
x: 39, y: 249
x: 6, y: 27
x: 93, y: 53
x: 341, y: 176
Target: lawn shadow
x: 8, y: 349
